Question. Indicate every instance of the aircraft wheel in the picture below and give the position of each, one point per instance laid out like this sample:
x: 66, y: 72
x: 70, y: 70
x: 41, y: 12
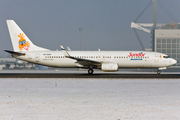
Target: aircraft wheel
x: 90, y: 71
x: 158, y: 72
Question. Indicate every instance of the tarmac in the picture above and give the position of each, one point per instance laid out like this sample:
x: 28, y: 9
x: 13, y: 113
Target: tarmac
x: 81, y: 73
x: 134, y: 75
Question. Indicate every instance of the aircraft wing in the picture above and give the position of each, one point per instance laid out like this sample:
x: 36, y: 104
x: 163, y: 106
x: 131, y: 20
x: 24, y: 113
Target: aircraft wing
x: 84, y: 62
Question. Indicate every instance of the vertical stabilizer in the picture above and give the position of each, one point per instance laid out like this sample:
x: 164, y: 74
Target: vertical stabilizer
x: 19, y: 39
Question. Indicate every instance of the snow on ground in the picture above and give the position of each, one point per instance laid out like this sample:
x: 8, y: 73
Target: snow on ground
x: 89, y: 99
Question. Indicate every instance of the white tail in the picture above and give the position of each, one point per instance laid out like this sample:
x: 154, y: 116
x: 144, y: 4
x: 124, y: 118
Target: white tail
x: 19, y: 39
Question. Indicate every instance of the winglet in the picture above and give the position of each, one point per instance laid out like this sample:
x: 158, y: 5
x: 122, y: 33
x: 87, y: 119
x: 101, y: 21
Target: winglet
x: 62, y: 48
x: 68, y: 49
x: 66, y: 54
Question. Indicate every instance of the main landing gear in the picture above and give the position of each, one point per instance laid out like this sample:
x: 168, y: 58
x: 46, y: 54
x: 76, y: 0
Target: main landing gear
x: 90, y: 71
x: 158, y: 72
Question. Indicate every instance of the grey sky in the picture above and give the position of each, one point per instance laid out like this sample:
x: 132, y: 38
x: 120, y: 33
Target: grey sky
x: 105, y: 23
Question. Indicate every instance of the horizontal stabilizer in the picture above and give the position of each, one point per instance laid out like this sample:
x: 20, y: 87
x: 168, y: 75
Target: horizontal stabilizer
x: 14, y: 53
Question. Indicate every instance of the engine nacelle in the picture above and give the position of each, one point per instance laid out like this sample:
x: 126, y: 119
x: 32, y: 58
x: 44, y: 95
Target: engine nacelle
x: 109, y: 67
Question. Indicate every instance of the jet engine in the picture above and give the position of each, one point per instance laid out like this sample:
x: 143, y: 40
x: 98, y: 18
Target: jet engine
x: 109, y: 67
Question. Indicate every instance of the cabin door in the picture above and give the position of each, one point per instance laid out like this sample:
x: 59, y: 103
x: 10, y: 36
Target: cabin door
x: 156, y: 58
x: 37, y: 57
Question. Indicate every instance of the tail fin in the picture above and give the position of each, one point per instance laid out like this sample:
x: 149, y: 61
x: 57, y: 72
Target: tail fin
x: 19, y: 39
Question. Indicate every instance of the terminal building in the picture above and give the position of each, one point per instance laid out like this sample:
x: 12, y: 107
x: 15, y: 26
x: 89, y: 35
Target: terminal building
x: 167, y: 40
x: 165, y: 37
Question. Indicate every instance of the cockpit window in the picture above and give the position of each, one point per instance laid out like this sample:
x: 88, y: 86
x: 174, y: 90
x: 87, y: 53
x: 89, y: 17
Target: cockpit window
x: 165, y: 56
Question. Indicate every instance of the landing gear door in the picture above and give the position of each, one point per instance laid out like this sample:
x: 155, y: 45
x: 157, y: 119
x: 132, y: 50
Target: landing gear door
x: 37, y: 57
x: 156, y: 58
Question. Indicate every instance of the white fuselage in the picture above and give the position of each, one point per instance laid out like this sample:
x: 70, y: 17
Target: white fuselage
x: 124, y: 59
x: 24, y: 49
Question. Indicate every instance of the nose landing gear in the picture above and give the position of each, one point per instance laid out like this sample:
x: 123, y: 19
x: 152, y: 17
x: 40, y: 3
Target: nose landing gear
x: 90, y: 71
x: 158, y: 72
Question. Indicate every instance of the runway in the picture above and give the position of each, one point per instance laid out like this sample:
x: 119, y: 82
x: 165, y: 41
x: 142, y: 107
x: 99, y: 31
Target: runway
x: 74, y: 73
x: 77, y: 75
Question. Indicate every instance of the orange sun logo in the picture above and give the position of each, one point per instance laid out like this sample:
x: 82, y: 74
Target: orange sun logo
x: 23, y: 44
x: 160, y: 56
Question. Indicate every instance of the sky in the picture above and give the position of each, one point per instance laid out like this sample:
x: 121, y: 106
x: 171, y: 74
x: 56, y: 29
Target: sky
x: 106, y: 23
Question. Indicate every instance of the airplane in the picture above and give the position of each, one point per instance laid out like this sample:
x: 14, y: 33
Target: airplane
x: 108, y: 61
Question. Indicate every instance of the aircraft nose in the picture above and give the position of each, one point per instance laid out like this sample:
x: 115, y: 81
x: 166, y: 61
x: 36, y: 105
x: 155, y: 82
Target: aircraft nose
x: 173, y: 61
